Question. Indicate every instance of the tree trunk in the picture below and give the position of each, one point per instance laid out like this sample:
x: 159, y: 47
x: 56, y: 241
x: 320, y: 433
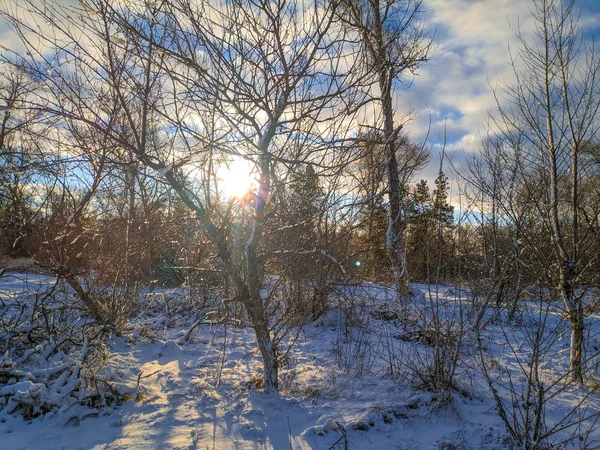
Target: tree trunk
x: 265, y: 344
x: 260, y: 324
x: 574, y: 308
x: 395, y: 230
x: 92, y: 306
x: 575, y: 311
x: 254, y: 303
x: 576, y: 351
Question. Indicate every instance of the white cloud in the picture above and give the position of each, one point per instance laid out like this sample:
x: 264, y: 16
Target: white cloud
x: 454, y: 90
x: 451, y: 95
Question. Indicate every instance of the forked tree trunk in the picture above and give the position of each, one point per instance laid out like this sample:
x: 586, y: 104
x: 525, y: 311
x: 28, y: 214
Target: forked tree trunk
x: 380, y: 24
x: 254, y: 303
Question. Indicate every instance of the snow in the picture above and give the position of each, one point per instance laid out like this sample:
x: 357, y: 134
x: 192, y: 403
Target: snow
x: 14, y: 283
x: 335, y: 386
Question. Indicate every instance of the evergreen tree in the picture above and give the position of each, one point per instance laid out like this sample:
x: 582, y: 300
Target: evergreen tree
x: 443, y: 219
x: 305, y: 195
x: 429, y: 232
x: 293, y: 225
x: 372, y: 250
x: 443, y: 212
x: 419, y: 230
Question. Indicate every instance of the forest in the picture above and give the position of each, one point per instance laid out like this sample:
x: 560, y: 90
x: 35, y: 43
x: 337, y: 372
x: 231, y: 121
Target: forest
x: 216, y: 231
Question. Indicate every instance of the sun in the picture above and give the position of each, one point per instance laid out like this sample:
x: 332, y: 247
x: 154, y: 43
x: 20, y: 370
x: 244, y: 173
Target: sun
x: 235, y: 178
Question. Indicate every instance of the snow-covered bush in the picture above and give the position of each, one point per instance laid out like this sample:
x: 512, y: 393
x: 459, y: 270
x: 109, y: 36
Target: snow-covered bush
x: 440, y: 324
x: 52, y: 355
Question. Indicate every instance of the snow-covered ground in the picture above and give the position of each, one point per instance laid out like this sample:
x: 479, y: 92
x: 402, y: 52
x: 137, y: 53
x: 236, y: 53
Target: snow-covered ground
x: 349, y: 382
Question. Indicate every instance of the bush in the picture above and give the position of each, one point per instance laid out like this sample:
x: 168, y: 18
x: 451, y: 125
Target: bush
x: 53, y: 356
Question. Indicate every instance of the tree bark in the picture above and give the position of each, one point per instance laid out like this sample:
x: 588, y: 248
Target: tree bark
x: 395, y: 230
x: 268, y: 349
x: 576, y: 321
x: 93, y: 307
x: 576, y: 351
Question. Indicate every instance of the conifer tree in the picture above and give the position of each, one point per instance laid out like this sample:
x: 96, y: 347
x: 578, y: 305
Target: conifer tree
x: 443, y: 212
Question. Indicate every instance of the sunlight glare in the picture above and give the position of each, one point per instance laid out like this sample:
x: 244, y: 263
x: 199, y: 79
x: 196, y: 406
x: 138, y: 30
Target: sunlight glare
x: 235, y: 178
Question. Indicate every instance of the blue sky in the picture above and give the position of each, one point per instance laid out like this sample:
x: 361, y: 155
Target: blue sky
x: 470, y: 55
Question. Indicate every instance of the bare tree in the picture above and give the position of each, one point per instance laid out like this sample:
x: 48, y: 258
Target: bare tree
x: 19, y: 161
x: 546, y: 116
x: 275, y: 77
x: 394, y: 44
x: 494, y: 190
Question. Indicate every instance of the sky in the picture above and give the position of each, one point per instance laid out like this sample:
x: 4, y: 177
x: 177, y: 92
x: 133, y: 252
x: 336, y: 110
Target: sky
x: 471, y: 54
x: 452, y: 93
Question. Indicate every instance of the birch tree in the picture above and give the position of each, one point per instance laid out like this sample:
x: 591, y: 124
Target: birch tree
x: 546, y: 116
x: 394, y: 44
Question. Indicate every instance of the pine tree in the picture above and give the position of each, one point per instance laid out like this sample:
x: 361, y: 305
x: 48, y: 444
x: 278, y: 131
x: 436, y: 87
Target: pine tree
x: 373, y: 254
x: 303, y: 206
x: 443, y: 212
x: 443, y: 219
x: 419, y: 230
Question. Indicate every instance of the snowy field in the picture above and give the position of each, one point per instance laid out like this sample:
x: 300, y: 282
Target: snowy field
x: 355, y: 378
